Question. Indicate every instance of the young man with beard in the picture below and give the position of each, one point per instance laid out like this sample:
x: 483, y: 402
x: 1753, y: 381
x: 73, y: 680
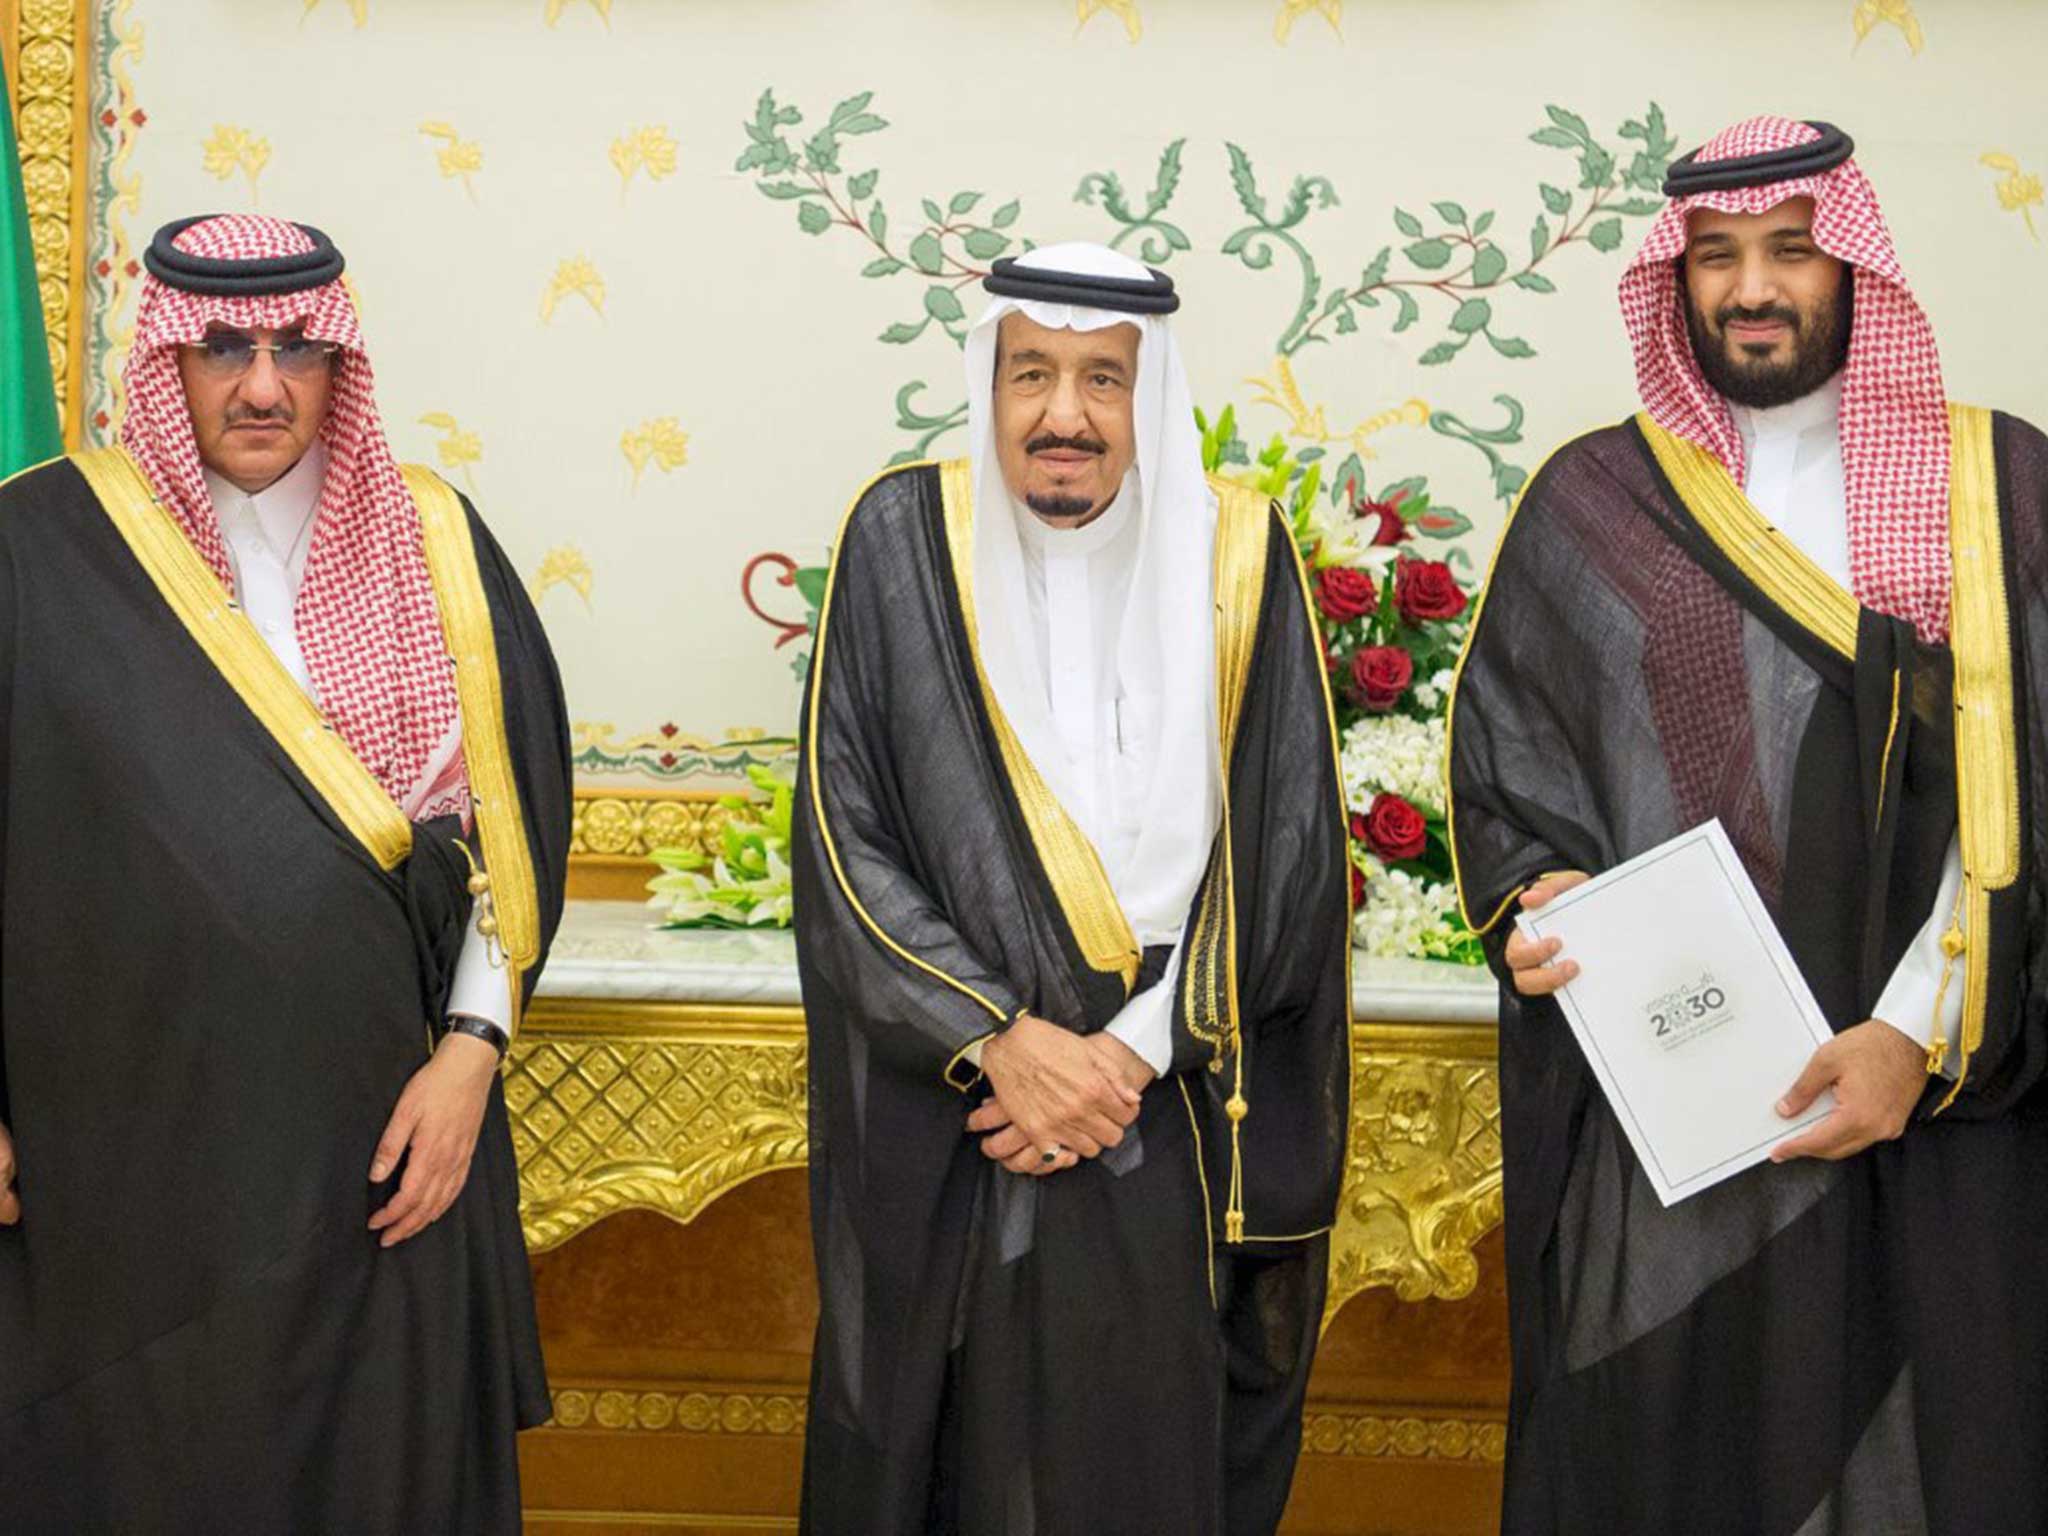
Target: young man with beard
x: 1805, y: 593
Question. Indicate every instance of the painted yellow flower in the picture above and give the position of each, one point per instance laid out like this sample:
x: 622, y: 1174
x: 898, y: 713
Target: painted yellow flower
x: 360, y: 9
x: 2018, y: 191
x: 574, y: 276
x: 1871, y: 14
x: 1125, y: 11
x: 458, y: 157
x: 556, y: 7
x: 563, y: 566
x: 650, y: 149
x: 1292, y: 11
x: 233, y: 149
x: 660, y: 441
x: 1311, y: 424
x: 457, y: 449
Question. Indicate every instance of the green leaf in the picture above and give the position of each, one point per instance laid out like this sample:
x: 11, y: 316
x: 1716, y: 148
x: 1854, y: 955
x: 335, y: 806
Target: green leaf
x: 1539, y: 239
x: 1596, y: 168
x: 867, y: 122
x: 810, y: 583
x: 1535, y: 282
x: 1472, y: 315
x: 1637, y: 207
x: 784, y: 191
x: 1483, y: 223
x: 927, y: 255
x: 1246, y: 183
x: 900, y: 332
x: 1442, y: 352
x: 815, y: 218
x: 1429, y: 254
x: 982, y: 244
x: 1451, y: 213
x: 1606, y: 235
x: 878, y: 222
x: 1555, y: 138
x: 822, y: 151
x: 963, y: 202
x: 933, y: 212
x: 1556, y: 199
x: 1347, y: 322
x: 1489, y: 265
x: 862, y: 187
x: 853, y: 106
x: 1376, y: 269
x: 943, y: 305
x: 885, y: 266
x: 1571, y: 123
x: 1005, y: 216
x: 1408, y: 224
x: 1410, y: 310
x: 1167, y: 182
x: 1510, y: 346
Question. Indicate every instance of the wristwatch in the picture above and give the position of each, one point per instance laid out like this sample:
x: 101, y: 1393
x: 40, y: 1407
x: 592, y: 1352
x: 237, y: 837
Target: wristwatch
x: 481, y: 1029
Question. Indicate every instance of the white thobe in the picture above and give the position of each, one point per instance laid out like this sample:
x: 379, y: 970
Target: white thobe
x: 268, y: 536
x: 1796, y: 481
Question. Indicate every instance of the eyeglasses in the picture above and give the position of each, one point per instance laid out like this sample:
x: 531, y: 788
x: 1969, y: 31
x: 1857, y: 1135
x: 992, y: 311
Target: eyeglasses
x: 229, y: 355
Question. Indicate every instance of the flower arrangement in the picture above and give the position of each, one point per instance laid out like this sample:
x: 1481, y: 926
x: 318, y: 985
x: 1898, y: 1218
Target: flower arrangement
x: 1393, y: 622
x: 746, y: 884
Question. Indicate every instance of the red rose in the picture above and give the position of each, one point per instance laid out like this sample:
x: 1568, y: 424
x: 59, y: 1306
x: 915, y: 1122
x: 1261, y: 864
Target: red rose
x: 1394, y: 829
x: 1426, y: 589
x: 1380, y: 674
x: 1357, y: 888
x: 1383, y: 518
x: 1345, y: 594
x: 1357, y: 827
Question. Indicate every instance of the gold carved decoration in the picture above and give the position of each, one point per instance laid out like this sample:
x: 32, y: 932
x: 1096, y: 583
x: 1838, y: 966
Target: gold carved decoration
x: 649, y: 1106
x: 707, y: 1411
x: 1406, y: 1439
x: 1422, y: 1181
x: 666, y: 1106
x: 47, y: 47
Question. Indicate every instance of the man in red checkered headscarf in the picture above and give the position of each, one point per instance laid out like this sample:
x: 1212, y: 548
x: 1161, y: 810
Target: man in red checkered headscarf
x: 260, y: 1257
x: 1798, y: 594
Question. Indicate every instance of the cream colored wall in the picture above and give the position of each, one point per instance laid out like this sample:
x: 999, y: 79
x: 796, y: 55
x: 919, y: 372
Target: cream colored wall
x: 760, y: 340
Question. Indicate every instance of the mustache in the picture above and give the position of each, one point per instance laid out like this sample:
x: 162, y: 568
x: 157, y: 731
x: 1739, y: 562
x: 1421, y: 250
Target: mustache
x: 1046, y: 442
x: 1783, y: 313
x: 283, y: 415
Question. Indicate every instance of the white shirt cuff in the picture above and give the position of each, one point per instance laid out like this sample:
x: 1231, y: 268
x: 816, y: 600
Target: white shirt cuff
x: 1145, y: 1023
x: 483, y: 986
x: 1907, y: 1003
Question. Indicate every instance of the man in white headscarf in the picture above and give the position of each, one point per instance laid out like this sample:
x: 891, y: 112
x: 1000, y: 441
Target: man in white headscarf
x: 1072, y: 884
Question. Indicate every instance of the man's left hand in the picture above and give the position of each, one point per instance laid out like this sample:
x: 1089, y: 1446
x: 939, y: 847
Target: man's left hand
x: 1003, y: 1142
x: 1878, y: 1076
x: 437, y: 1118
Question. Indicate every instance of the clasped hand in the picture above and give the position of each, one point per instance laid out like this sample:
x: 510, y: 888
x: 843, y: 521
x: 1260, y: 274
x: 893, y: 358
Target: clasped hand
x: 1056, y: 1091
x: 1876, y: 1072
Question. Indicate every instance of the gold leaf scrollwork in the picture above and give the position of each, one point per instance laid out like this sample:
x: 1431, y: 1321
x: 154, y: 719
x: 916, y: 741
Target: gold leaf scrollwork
x: 458, y: 158
x: 2018, y: 191
x: 1311, y: 423
x: 575, y: 277
x: 1292, y: 11
x: 1125, y: 11
x: 661, y: 442
x: 233, y: 149
x: 1872, y: 14
x: 563, y: 566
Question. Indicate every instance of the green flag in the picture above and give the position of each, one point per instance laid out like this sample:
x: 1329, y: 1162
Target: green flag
x: 28, y: 401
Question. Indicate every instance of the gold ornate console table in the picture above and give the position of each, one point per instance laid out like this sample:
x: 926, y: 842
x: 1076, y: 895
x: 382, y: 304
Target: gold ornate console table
x: 657, y: 1097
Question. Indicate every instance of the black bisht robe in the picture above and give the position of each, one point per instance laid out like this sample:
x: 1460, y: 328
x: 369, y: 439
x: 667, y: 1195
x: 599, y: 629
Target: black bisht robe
x: 1814, y: 1349
x: 212, y: 992
x: 1120, y: 1349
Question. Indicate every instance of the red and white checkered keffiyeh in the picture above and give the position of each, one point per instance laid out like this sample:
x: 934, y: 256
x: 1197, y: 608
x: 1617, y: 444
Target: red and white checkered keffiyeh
x: 366, y: 616
x: 1895, y: 433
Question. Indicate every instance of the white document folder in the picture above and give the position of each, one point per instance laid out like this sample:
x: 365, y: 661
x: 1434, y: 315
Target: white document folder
x: 1688, y: 1007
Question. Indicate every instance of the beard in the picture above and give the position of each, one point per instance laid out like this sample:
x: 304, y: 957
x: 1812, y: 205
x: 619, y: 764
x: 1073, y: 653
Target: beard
x: 1820, y: 345
x: 1050, y: 504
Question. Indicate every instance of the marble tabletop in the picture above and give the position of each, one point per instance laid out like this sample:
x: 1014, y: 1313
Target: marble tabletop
x: 613, y: 951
